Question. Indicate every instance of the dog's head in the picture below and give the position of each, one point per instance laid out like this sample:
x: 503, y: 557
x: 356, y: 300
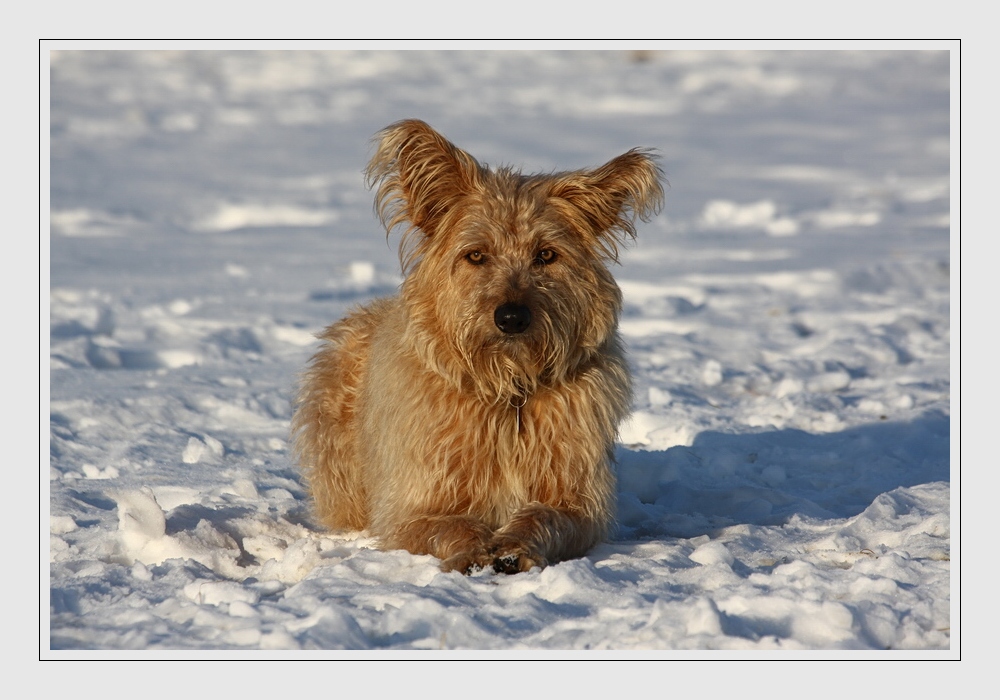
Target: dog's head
x: 507, y: 282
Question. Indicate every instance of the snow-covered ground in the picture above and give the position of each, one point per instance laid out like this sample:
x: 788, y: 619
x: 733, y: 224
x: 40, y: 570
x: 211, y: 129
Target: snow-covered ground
x: 784, y: 483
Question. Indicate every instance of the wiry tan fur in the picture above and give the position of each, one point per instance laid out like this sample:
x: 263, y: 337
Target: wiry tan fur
x: 424, y: 422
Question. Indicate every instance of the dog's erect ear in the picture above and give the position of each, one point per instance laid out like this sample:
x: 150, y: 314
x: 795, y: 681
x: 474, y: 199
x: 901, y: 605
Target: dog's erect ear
x: 419, y: 176
x: 606, y: 201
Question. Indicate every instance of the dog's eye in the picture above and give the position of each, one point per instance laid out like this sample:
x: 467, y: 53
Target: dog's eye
x: 546, y: 256
x: 476, y: 257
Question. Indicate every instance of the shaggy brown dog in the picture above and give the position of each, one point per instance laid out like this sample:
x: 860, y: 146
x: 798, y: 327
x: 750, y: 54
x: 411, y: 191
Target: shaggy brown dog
x: 473, y: 416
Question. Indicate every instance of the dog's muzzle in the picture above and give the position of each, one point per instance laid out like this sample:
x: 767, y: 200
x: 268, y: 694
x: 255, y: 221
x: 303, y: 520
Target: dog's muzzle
x: 512, y: 318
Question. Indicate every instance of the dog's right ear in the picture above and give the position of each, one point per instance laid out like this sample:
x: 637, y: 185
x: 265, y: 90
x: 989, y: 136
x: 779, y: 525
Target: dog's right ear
x: 419, y: 176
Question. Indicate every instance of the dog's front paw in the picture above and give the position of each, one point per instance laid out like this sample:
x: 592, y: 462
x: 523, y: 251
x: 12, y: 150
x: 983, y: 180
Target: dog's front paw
x: 514, y: 564
x: 511, y: 557
x: 467, y: 563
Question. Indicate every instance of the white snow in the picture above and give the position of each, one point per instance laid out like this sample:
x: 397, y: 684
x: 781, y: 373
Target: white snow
x: 784, y: 482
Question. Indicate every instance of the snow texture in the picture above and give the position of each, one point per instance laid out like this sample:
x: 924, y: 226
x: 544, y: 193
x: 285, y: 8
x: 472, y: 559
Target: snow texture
x: 784, y: 482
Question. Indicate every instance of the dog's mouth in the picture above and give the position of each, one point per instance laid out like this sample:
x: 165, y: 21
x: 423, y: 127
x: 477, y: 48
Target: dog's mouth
x: 516, y: 347
x: 525, y: 353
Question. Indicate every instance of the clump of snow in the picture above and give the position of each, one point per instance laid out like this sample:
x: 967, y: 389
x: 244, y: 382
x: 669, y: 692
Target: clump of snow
x: 784, y: 482
x: 724, y: 214
x: 229, y: 217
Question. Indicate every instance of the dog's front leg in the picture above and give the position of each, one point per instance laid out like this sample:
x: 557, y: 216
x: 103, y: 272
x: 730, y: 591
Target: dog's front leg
x: 538, y: 535
x: 458, y: 540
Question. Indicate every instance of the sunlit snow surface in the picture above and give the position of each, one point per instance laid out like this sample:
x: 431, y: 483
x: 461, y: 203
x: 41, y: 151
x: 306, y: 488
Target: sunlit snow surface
x: 784, y: 482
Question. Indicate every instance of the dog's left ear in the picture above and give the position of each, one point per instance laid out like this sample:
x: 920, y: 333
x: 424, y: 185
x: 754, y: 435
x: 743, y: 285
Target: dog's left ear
x: 606, y: 201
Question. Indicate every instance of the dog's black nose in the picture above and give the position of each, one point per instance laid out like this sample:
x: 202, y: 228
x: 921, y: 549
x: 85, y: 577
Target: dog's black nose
x: 512, y: 318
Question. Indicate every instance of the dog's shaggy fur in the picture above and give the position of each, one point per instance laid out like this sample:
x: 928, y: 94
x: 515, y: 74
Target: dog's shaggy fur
x: 472, y: 417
